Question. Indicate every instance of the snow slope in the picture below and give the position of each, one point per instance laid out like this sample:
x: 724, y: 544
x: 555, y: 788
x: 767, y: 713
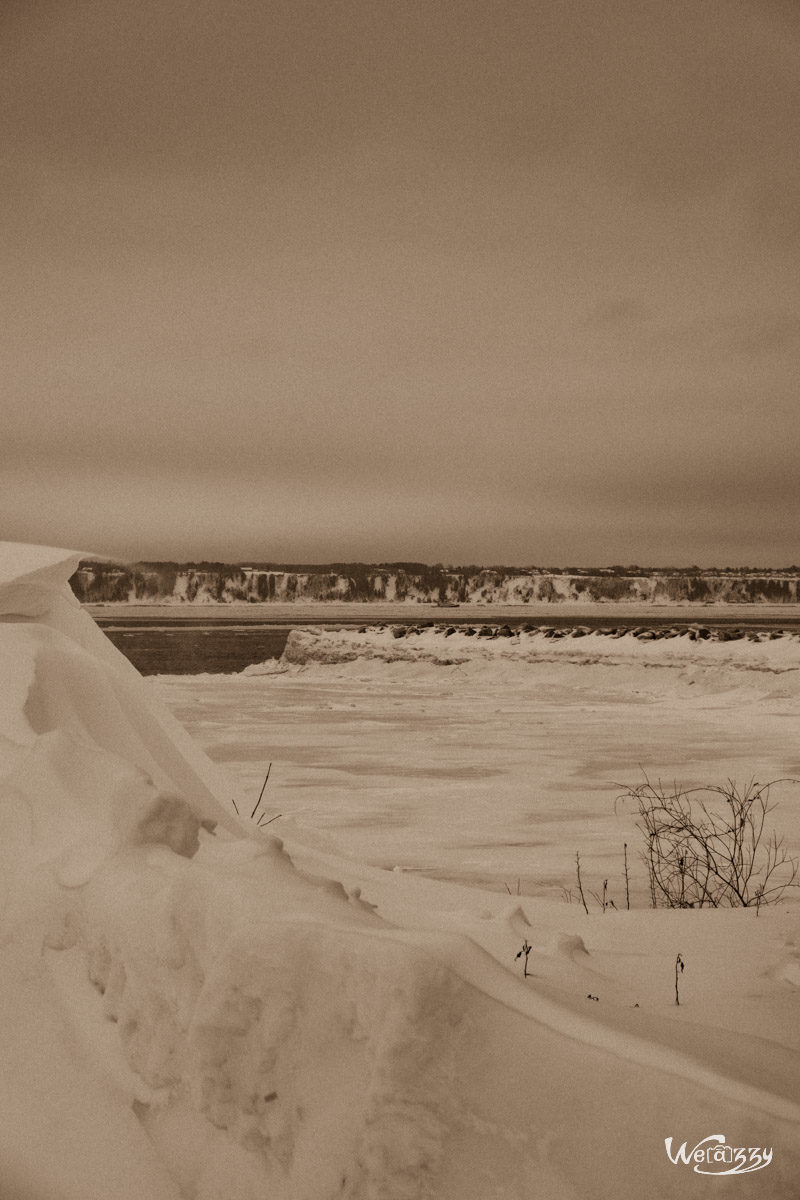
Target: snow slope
x: 194, y: 1008
x: 777, y: 653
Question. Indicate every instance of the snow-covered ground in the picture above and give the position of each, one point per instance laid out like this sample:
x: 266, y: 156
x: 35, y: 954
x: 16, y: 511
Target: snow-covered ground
x: 194, y: 1007
x: 489, y: 761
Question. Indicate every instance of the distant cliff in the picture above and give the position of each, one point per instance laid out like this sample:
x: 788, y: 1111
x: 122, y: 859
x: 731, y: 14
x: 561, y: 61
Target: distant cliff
x: 221, y: 583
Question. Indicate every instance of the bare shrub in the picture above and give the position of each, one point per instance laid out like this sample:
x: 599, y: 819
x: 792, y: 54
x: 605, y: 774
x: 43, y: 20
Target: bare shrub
x: 710, y: 846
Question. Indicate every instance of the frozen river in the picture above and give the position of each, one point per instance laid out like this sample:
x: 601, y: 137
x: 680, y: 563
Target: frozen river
x: 190, y: 639
x: 496, y: 769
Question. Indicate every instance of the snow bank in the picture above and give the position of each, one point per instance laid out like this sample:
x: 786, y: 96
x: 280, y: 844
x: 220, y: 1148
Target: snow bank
x: 90, y: 762
x: 188, y: 1013
x: 454, y: 646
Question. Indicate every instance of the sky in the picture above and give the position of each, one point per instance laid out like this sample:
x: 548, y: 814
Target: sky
x: 497, y: 282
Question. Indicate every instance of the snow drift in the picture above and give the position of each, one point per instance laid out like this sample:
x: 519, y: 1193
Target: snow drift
x: 456, y: 646
x: 193, y: 1008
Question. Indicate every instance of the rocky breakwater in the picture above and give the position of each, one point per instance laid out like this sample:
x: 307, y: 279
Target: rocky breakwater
x: 693, y: 632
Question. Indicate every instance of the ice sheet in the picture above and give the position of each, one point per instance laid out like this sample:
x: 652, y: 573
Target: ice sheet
x: 501, y: 767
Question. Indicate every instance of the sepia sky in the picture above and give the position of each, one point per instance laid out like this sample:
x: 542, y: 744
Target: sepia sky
x: 459, y: 281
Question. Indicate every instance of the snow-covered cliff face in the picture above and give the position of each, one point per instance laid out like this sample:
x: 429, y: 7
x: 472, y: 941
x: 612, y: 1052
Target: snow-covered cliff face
x: 220, y: 584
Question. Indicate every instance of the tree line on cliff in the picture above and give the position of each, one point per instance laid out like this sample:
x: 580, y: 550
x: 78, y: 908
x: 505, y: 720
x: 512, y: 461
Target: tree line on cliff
x: 225, y: 583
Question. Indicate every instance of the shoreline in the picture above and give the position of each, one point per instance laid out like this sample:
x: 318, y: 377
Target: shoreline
x: 331, y: 613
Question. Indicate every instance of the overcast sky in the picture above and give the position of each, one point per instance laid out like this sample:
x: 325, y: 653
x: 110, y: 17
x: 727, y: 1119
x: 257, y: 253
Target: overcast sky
x: 375, y: 279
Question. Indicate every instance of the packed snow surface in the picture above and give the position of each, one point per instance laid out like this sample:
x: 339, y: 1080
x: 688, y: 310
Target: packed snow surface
x: 489, y: 760
x: 193, y: 1007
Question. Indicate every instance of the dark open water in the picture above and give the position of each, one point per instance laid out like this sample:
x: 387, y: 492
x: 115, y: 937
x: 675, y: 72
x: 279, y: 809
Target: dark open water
x: 174, y: 646
x: 215, y: 650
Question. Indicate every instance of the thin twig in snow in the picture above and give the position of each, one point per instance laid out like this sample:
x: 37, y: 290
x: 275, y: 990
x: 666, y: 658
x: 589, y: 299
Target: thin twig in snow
x: 258, y: 801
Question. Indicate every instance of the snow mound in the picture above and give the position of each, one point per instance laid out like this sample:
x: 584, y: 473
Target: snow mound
x: 257, y: 1011
x: 570, y: 945
x: 788, y: 969
x: 89, y: 762
x: 458, y: 647
x: 517, y: 919
x: 272, y: 666
x: 279, y: 1019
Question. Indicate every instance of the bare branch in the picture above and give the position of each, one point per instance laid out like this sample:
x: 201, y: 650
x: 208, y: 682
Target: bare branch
x: 710, y: 846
